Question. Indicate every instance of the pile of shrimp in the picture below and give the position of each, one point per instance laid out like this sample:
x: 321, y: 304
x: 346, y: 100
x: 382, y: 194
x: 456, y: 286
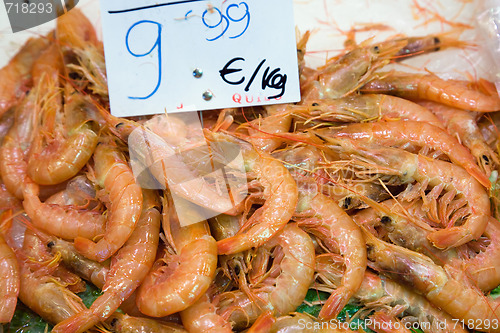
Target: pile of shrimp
x: 378, y: 188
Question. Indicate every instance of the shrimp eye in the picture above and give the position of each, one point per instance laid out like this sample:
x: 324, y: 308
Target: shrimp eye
x: 119, y: 125
x: 113, y: 322
x: 486, y: 159
x: 376, y: 49
x: 315, y: 104
x: 437, y: 41
x: 50, y: 244
x: 385, y: 219
x: 347, y: 203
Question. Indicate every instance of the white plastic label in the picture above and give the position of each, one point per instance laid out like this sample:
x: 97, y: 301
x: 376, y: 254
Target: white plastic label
x: 210, y: 54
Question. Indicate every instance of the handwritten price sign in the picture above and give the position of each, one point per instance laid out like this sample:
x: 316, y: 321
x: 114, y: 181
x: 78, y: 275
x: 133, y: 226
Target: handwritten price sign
x: 205, y: 54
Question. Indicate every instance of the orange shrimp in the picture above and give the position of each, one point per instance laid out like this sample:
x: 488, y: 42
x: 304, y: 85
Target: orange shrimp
x: 422, y: 169
x: 114, y: 175
x: 14, y: 149
x: 121, y: 323
x: 455, y: 93
x: 202, y: 317
x: 446, y: 288
x: 64, y: 156
x: 128, y: 269
x: 463, y: 124
x: 187, y: 274
x: 367, y: 107
x: 280, y: 192
x: 338, y: 227
x: 420, y: 133
x: 61, y: 221
x: 294, y: 272
x: 16, y: 75
x: 9, y: 284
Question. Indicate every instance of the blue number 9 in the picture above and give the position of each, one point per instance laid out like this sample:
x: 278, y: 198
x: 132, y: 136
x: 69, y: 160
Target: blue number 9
x: 247, y: 16
x: 222, y: 17
x: 157, y: 44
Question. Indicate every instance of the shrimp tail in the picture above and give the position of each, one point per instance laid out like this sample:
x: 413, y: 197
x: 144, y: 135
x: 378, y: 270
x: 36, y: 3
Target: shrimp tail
x: 80, y: 322
x: 334, y: 304
x: 454, y: 236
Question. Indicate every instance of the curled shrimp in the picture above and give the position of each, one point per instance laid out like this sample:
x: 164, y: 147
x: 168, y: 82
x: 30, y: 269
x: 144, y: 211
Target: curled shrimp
x: 455, y: 93
x: 64, y: 157
x: 202, y: 317
x: 114, y: 175
x: 416, y: 167
x: 9, y: 284
x: 444, y: 287
x: 128, y: 269
x: 338, y: 227
x: 420, y: 133
x: 62, y: 221
x: 357, y: 108
x: 15, y: 76
x: 293, y: 272
x: 187, y: 274
x: 280, y: 192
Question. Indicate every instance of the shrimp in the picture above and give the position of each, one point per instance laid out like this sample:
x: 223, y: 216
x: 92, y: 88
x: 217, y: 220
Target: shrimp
x: 423, y: 134
x: 64, y: 157
x: 293, y: 272
x: 9, y: 284
x: 280, y: 192
x: 264, y: 132
x: 15, y: 146
x: 380, y: 292
x: 422, y: 169
x: 121, y: 323
x: 444, y: 287
x: 128, y: 269
x: 115, y: 176
x: 187, y: 274
x: 338, y: 227
x: 87, y: 269
x: 15, y: 77
x: 367, y: 107
x: 61, y: 221
x: 463, y: 124
x: 460, y: 94
x: 74, y: 31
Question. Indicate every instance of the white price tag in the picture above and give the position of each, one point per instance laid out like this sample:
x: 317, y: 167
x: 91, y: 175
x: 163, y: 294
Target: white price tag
x: 210, y: 54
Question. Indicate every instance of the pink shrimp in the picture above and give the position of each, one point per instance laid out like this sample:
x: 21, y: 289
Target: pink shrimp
x: 187, y: 274
x: 16, y: 75
x: 367, y: 107
x: 446, y: 288
x: 280, y: 192
x: 455, y: 93
x: 9, y: 284
x: 263, y: 130
x: 420, y: 133
x: 416, y: 167
x: 62, y: 221
x: 128, y: 269
x: 294, y: 272
x: 202, y: 317
x: 463, y: 124
x: 114, y: 175
x: 338, y: 227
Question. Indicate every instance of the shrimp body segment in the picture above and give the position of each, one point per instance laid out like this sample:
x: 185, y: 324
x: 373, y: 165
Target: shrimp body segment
x: 113, y: 174
x: 187, y: 275
x: 454, y: 93
x: 9, y: 283
x: 421, y: 133
x: 128, y: 269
